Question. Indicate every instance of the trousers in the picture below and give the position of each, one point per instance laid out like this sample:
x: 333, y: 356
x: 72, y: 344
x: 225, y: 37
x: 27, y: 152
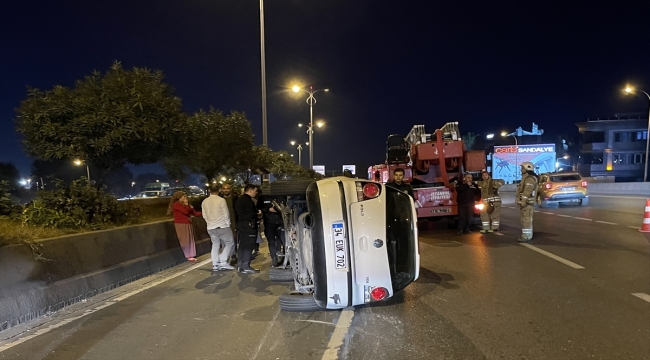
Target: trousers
x: 221, y: 239
x: 526, y: 218
x: 465, y: 215
x: 247, y: 238
x: 491, y: 220
x: 275, y: 236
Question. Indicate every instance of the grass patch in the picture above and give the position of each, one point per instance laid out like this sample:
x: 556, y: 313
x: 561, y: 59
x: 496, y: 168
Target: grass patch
x: 13, y: 232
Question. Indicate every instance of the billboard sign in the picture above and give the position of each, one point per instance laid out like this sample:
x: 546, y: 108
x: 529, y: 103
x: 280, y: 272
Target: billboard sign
x: 506, y: 160
x: 352, y: 168
x: 319, y: 169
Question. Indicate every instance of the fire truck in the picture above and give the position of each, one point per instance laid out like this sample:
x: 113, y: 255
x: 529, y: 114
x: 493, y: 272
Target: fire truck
x: 431, y: 162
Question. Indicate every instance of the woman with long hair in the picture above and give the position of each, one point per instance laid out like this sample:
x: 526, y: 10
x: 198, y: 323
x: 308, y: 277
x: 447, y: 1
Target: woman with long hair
x: 180, y: 207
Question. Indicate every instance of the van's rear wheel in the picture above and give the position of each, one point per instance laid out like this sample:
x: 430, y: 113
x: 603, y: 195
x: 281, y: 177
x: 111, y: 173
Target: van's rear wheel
x: 298, y: 302
x: 280, y: 274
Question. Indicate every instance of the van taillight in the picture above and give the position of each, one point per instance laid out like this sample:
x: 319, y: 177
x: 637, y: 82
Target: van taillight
x: 366, y: 191
x: 583, y: 183
x: 378, y: 293
x: 548, y: 186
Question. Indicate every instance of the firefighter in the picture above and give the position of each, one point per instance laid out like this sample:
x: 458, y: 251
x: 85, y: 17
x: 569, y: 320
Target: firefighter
x: 526, y: 199
x: 490, y: 215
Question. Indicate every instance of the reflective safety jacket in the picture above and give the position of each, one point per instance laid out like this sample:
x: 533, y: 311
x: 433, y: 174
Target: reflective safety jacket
x: 526, y: 189
x: 490, y: 189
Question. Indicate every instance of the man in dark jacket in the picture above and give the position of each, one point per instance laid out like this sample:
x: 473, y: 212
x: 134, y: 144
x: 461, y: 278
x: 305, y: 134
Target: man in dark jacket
x: 467, y: 193
x: 398, y: 182
x: 246, y: 214
x: 273, y: 228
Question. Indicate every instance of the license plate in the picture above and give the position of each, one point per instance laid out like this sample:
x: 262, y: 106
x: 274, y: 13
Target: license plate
x: 340, y: 250
x: 569, y: 188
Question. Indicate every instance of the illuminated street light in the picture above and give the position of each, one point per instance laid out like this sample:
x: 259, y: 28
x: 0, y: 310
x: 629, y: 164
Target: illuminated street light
x: 79, y: 162
x: 631, y: 90
x: 311, y: 100
x: 293, y: 143
x: 489, y: 136
x: 517, y: 171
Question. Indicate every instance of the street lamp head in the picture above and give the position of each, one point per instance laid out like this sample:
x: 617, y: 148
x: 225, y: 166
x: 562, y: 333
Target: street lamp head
x: 326, y: 90
x: 296, y: 88
x: 307, y: 143
x: 292, y: 142
x: 299, y: 124
x: 489, y: 136
x: 320, y: 124
x: 78, y: 162
x: 504, y: 134
x: 629, y: 89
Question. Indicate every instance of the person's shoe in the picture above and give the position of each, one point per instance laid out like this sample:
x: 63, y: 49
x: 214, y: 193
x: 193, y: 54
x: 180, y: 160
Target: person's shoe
x: 215, y: 268
x: 192, y: 259
x: 248, y: 270
x: 275, y: 262
x: 484, y: 231
x: 492, y: 230
x: 523, y: 239
x: 225, y: 266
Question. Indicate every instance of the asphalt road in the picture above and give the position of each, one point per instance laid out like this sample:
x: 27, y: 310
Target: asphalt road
x: 579, y: 290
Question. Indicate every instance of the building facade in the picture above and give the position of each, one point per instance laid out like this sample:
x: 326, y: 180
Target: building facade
x: 613, y: 147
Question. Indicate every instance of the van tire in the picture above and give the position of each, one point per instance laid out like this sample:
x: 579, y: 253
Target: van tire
x: 298, y: 302
x: 280, y: 274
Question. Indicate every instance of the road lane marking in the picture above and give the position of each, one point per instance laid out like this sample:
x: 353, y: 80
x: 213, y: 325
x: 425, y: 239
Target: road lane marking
x: 579, y: 218
x: 104, y: 304
x: 266, y: 334
x: 620, y: 197
x: 635, y: 227
x: 562, y: 215
x: 553, y: 256
x: 498, y: 233
x: 338, y: 336
x: 549, y: 213
x: 642, y: 296
x: 605, y: 222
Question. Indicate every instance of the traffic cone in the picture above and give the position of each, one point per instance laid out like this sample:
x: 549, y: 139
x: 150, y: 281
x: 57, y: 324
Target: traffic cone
x: 646, y: 217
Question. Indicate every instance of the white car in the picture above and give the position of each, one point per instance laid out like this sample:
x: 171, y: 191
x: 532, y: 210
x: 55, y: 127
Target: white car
x: 348, y: 242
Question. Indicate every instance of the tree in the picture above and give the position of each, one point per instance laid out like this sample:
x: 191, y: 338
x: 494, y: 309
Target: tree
x: 105, y: 119
x: 262, y: 159
x: 469, y: 139
x: 214, y: 143
x: 10, y: 173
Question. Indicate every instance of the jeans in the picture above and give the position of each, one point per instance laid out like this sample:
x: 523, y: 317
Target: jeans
x: 221, y: 238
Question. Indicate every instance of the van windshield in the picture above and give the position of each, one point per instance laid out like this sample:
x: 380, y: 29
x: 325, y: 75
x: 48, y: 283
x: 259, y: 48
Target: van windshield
x: 400, y: 238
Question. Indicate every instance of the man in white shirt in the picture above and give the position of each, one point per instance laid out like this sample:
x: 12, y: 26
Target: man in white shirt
x: 216, y: 215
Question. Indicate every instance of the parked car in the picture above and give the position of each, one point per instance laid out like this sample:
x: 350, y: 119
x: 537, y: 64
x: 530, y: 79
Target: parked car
x: 348, y: 242
x: 561, y: 188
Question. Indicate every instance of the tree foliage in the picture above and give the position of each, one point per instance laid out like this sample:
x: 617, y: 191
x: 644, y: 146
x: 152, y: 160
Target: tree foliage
x: 470, y: 140
x: 106, y: 119
x: 214, y: 142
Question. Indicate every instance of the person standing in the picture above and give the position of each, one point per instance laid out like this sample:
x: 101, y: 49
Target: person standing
x: 398, y: 182
x: 273, y: 228
x: 467, y: 193
x: 526, y: 200
x: 215, y: 212
x: 226, y: 193
x: 183, y: 212
x: 491, y: 213
x: 246, y: 213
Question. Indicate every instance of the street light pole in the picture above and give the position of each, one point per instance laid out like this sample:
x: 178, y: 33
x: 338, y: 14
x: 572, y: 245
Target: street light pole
x: 79, y: 162
x: 311, y: 100
x: 263, y: 68
x: 630, y: 90
x: 300, y: 154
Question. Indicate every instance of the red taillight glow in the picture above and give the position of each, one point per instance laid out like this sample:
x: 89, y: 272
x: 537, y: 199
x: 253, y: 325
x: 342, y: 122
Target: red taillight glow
x: 370, y: 190
x: 548, y: 186
x: 583, y: 183
x: 378, y: 293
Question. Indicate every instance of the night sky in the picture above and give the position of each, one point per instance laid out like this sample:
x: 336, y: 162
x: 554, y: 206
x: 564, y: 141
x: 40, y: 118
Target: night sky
x: 389, y: 64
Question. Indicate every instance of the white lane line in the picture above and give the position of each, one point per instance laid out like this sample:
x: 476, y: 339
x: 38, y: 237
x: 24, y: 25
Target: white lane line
x: 102, y: 305
x: 498, y: 233
x: 605, y: 222
x: 553, y: 256
x: 266, y: 334
x: 635, y: 227
x: 562, y: 215
x: 549, y: 213
x: 620, y: 197
x: 642, y: 296
x: 338, y: 336
x: 579, y: 218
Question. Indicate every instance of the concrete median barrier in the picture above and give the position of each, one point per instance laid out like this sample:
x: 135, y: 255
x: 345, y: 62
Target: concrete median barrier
x: 46, y: 276
x: 621, y: 188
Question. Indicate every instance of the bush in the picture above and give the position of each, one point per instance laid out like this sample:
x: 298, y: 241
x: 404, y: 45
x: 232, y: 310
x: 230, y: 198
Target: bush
x: 7, y: 206
x: 78, y: 206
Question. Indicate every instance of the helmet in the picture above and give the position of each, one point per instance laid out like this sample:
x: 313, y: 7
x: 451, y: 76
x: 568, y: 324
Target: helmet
x: 528, y: 165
